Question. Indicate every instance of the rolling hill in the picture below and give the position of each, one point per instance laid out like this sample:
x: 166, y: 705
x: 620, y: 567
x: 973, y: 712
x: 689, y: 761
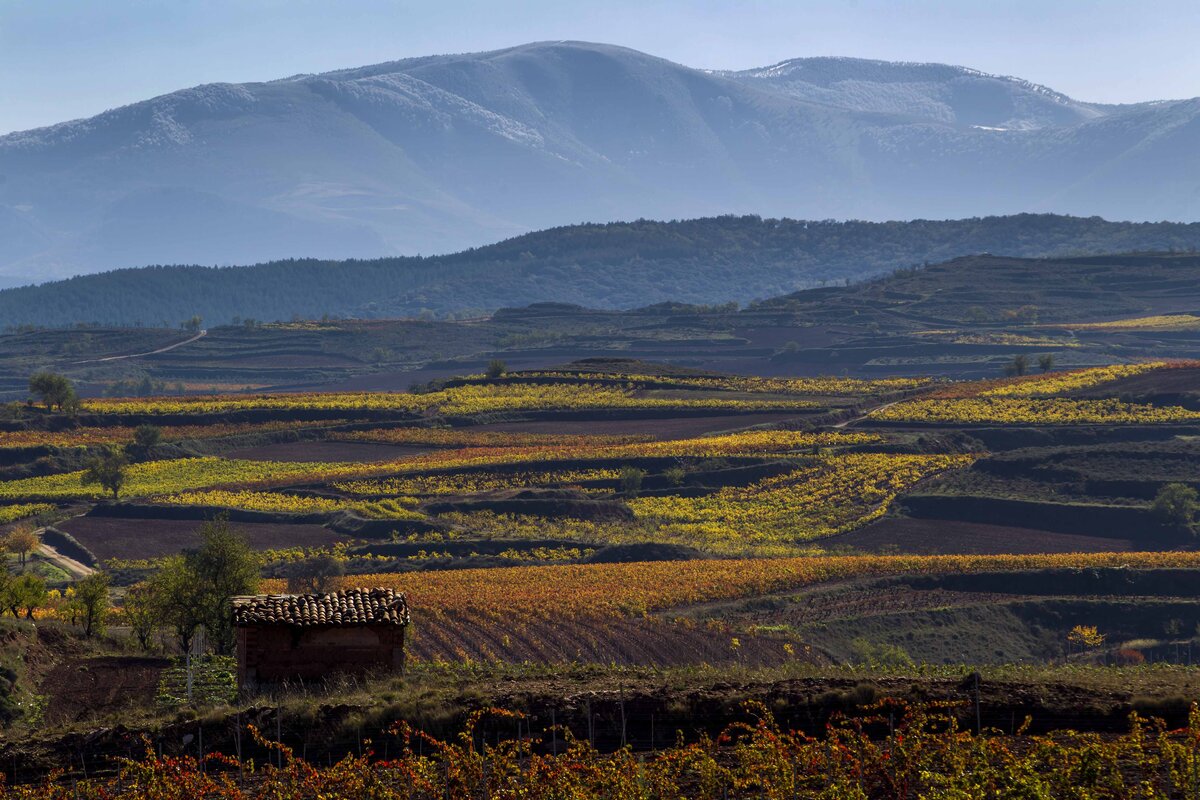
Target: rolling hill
x: 610, y: 266
x: 440, y: 153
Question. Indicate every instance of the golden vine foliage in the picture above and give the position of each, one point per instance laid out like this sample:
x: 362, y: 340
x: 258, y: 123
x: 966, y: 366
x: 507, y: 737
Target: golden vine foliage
x: 833, y: 495
x: 466, y: 399
x: 1031, y: 411
x: 605, y: 590
x: 471, y: 482
x: 22, y: 510
x: 1162, y: 322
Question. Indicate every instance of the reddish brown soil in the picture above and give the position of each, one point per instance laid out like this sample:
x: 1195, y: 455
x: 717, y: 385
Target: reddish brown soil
x: 1159, y: 381
x: 640, y: 641
x: 360, y: 452
x: 115, y: 537
x: 85, y: 688
x: 658, y: 428
x: 934, y: 536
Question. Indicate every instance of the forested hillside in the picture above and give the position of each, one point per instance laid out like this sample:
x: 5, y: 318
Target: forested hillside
x: 616, y: 265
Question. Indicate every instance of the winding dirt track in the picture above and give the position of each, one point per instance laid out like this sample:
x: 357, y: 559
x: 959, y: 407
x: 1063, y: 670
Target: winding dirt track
x: 199, y: 335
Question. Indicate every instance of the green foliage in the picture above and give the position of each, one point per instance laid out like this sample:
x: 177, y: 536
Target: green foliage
x: 108, y: 471
x: 675, y: 475
x: 91, y: 602
x: 147, y: 436
x: 214, y: 682
x: 1046, y: 362
x: 880, y: 655
x: 30, y: 593
x: 141, y: 611
x: 614, y: 265
x: 54, y: 390
x: 631, y: 480
x: 196, y: 588
x: 315, y: 575
x: 1018, y: 366
x: 496, y: 368
x: 176, y: 595
x: 1176, y: 506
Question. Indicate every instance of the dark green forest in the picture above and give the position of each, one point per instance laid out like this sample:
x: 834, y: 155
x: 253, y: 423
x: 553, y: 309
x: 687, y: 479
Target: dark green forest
x: 615, y: 265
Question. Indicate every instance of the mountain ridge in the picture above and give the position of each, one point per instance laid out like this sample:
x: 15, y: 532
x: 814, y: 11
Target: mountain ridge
x: 439, y: 153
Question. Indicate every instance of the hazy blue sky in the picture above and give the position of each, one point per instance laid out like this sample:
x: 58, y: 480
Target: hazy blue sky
x: 62, y: 59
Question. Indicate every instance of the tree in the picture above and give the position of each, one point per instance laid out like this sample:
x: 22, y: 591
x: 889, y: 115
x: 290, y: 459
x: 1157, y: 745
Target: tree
x: 1085, y: 637
x: 8, y: 592
x: 108, y: 470
x: 30, y: 592
x: 53, y: 389
x: 21, y: 540
x: 91, y: 599
x: 316, y: 575
x: 193, y: 324
x: 225, y: 567
x: 1175, y: 506
x: 144, y: 438
x: 1046, y: 362
x: 631, y: 480
x: 175, y: 594
x: 142, y: 612
x: 1018, y: 366
x: 496, y: 368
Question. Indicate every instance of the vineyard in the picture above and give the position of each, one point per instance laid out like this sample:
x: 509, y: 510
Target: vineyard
x: 889, y: 750
x: 1042, y: 399
x: 605, y: 521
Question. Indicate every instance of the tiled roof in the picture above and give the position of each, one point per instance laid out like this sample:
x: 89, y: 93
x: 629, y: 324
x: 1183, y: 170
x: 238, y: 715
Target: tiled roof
x: 347, y: 607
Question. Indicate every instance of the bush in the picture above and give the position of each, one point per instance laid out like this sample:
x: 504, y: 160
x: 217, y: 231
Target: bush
x: 1175, y: 506
x: 1128, y: 657
x: 631, y: 480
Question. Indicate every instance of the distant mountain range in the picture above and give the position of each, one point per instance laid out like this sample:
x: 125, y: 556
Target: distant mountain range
x: 609, y: 266
x: 434, y: 154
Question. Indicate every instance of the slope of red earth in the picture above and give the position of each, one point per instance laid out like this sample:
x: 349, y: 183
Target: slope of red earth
x: 1183, y: 380
x: 677, y: 428
x: 648, y: 641
x: 82, y: 688
x: 951, y: 537
x: 116, y: 537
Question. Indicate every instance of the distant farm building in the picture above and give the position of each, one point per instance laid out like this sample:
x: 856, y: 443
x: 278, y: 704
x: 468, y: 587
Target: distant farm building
x: 309, y: 636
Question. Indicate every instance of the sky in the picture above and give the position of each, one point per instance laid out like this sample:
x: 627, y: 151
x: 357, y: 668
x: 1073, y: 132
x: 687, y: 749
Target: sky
x: 66, y: 59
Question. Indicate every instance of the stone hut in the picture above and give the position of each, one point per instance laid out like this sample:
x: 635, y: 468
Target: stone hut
x: 308, y: 636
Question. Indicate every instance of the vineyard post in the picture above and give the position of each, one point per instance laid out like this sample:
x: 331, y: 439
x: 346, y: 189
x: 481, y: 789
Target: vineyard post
x: 622, y: 716
x: 200, y: 739
x: 279, y: 734
x: 553, y: 733
x: 978, y: 718
x: 238, y: 745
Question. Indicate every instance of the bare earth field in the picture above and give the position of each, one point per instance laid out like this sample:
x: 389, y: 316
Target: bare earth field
x: 116, y: 537
x: 1164, y: 381
x: 630, y: 641
x: 360, y: 452
x: 677, y: 428
x: 83, y: 688
x: 950, y: 537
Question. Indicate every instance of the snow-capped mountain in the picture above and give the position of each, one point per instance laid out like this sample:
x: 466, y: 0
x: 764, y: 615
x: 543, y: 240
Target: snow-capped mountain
x: 439, y: 153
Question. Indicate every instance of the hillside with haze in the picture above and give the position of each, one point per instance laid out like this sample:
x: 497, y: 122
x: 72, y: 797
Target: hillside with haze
x: 611, y: 266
